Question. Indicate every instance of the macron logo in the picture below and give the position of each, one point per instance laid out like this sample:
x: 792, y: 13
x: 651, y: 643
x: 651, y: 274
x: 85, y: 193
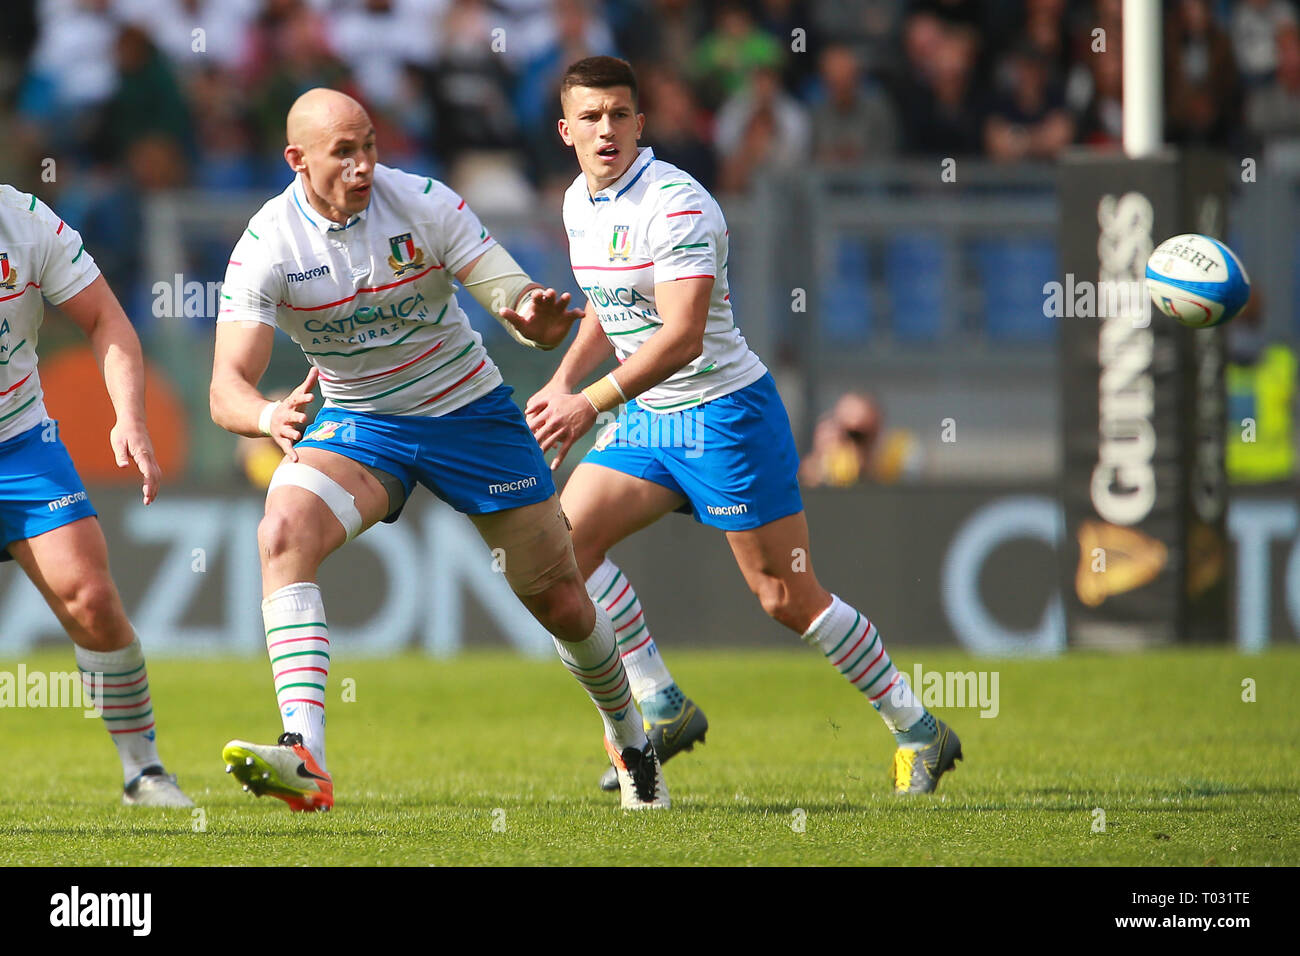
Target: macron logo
x: 316, y: 273
x: 66, y: 500
x: 508, y: 486
x: 134, y: 910
x: 727, y: 509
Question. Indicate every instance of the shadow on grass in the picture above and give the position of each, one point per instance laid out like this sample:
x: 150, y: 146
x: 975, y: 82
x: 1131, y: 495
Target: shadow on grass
x: 1198, y: 788
x: 935, y: 804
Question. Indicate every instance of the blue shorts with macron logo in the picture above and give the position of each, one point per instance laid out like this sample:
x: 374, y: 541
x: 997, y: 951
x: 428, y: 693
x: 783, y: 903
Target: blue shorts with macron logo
x: 478, y: 458
x: 40, y: 489
x: 733, y: 459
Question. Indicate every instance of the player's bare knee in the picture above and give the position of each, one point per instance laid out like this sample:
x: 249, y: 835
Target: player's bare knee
x: 778, y: 601
x: 282, y: 533
x: 94, y: 605
x: 564, y: 609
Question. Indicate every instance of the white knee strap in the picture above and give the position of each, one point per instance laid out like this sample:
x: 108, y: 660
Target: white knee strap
x: 335, y: 496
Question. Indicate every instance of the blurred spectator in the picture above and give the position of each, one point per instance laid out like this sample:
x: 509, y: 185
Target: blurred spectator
x: 724, y: 60
x: 195, y: 34
x: 1029, y: 120
x: 942, y: 109
x: 1254, y: 27
x: 470, y: 84
x: 791, y: 24
x: 1201, y: 93
x: 292, y: 55
x: 761, y: 129
x: 1273, y: 109
x: 148, y: 104
x: 476, y: 132
x: 923, y: 34
x: 847, y: 447
x: 870, y: 27
x: 676, y: 126
x: 575, y: 32
x: 378, y: 38
x: 1048, y: 34
x: 17, y: 40
x: 989, y: 24
x: 661, y: 31
x: 1260, y: 387
x: 852, y: 123
x: 225, y: 137
x: 1101, y: 120
x: 60, y: 99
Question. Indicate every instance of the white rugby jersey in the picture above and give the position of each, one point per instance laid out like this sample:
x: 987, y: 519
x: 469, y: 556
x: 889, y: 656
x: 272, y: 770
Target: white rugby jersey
x: 657, y: 224
x: 40, y: 256
x: 370, y: 302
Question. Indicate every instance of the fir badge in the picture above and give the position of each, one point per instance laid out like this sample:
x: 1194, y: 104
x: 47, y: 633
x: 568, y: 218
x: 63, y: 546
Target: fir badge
x: 407, y: 256
x: 619, y: 247
x: 8, y: 274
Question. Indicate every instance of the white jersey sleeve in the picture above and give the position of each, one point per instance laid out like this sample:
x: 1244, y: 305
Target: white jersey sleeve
x: 67, y: 268
x: 685, y: 234
x: 41, y: 258
x: 253, y: 287
x: 462, y: 238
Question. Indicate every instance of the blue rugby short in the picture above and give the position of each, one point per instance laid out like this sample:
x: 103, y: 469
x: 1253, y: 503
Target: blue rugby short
x: 479, y: 458
x: 733, y: 459
x: 40, y: 489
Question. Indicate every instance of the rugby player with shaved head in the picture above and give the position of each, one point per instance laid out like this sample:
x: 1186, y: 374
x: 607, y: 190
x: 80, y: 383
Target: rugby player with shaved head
x: 355, y: 262
x: 701, y: 428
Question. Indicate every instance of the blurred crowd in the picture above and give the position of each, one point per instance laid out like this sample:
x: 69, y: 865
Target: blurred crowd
x: 105, y: 101
x: 173, y: 92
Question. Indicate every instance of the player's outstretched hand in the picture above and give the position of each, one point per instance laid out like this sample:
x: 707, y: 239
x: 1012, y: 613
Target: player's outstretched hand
x: 289, y: 415
x: 130, y: 441
x: 544, y: 317
x: 558, y: 419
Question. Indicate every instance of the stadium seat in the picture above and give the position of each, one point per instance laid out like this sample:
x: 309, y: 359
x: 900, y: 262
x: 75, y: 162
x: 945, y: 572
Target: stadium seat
x: 846, y: 306
x: 1012, y: 273
x: 226, y: 173
x: 914, y: 268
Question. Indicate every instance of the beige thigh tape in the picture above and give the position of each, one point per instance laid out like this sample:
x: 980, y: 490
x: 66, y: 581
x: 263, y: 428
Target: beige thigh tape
x: 532, y: 544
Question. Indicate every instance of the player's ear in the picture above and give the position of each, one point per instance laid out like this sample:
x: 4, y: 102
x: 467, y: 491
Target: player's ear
x: 294, y: 157
x: 563, y: 126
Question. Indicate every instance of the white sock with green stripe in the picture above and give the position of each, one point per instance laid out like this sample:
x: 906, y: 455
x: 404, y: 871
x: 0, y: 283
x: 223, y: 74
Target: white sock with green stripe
x: 599, y: 669
x: 609, y: 588
x: 128, y: 710
x: 298, y: 642
x: 854, y: 648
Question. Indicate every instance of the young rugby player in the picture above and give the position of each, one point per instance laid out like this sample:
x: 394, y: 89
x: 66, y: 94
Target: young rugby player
x: 648, y: 245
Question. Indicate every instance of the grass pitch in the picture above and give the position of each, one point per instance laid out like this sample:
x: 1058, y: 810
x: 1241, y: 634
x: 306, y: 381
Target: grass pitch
x: 493, y: 759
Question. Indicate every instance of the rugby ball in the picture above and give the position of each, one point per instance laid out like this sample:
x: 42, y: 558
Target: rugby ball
x: 1197, y: 280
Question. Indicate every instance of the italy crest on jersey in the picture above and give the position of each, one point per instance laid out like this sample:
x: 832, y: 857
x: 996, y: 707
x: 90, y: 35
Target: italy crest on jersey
x: 321, y: 431
x: 406, y: 256
x: 8, y: 274
x: 619, y: 247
